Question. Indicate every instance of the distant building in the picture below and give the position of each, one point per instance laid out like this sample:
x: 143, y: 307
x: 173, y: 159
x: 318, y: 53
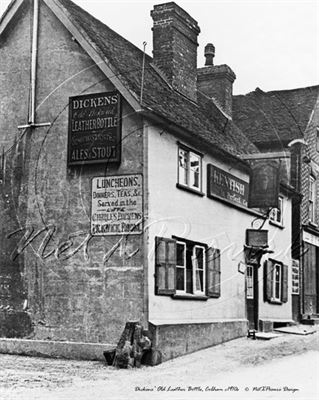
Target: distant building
x: 124, y: 191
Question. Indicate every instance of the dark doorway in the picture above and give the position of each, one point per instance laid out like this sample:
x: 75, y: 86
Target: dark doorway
x: 310, y: 279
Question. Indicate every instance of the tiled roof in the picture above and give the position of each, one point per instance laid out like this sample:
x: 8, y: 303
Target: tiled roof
x: 203, y: 118
x: 276, y: 116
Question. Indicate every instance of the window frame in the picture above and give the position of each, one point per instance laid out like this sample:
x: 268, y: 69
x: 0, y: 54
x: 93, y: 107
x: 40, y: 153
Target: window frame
x: 191, y: 246
x: 270, y: 282
x: 250, y: 282
x: 312, y: 198
x: 185, y: 183
x: 195, y: 269
x: 180, y: 291
x: 277, y: 267
x: 273, y: 215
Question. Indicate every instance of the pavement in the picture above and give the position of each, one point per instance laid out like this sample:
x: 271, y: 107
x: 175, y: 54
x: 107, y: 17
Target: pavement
x: 239, y: 369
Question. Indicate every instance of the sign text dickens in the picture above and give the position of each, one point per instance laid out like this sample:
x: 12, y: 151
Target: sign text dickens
x: 117, y: 205
x: 94, y: 128
x: 225, y: 186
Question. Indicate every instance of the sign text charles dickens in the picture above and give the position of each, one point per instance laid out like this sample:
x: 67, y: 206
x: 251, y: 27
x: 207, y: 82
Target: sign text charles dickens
x: 94, y: 129
x: 117, y: 205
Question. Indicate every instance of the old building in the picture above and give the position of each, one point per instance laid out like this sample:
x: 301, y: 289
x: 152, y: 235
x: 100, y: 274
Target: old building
x: 285, y: 125
x: 124, y: 191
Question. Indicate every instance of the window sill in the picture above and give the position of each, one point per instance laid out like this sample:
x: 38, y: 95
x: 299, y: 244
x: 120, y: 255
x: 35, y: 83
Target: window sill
x: 188, y: 296
x: 278, y: 302
x: 278, y: 224
x: 189, y: 189
x: 311, y: 223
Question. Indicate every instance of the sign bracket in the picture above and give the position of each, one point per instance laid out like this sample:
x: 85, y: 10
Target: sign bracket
x: 34, y: 125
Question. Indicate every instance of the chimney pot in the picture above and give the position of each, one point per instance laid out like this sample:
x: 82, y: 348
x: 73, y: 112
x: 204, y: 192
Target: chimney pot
x: 209, y: 54
x: 216, y: 81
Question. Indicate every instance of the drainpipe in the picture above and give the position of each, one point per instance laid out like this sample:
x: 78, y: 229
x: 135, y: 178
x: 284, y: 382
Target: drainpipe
x: 34, y: 57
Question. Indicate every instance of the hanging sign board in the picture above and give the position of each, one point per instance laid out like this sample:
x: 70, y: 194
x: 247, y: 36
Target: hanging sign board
x: 94, y: 129
x: 264, y: 184
x: 257, y: 237
x: 225, y: 186
x: 117, y: 205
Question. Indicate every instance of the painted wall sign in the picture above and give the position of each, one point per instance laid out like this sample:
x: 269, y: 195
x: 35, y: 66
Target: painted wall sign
x: 309, y: 238
x: 117, y: 205
x: 295, y: 276
x: 94, y: 128
x: 226, y: 186
x: 264, y: 184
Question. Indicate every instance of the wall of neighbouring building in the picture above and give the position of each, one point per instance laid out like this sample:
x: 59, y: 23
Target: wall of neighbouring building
x: 310, y: 168
x: 309, y: 252
x: 180, y: 326
x: 176, y: 212
x: 280, y: 244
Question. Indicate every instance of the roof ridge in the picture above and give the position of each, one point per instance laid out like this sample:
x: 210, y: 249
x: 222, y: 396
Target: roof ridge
x: 295, y: 89
x: 258, y: 90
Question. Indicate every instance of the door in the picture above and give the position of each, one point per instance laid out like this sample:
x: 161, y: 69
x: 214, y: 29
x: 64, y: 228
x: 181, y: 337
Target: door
x: 252, y: 296
x: 310, y: 279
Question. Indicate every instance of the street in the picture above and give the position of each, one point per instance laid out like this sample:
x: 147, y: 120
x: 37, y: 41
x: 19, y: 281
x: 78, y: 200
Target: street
x: 286, y: 367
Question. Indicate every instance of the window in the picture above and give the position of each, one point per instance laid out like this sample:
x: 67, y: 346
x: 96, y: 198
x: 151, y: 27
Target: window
x: 276, y: 214
x: 276, y: 279
x: 189, y: 169
x: 275, y: 282
x: 180, y: 266
x: 317, y: 140
x: 250, y: 281
x: 198, y: 263
x: 312, y: 199
x: 189, y: 269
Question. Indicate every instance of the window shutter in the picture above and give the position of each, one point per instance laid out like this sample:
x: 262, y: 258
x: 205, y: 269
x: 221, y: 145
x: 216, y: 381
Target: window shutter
x: 268, y: 280
x: 213, y: 272
x: 165, y: 266
x: 284, y: 290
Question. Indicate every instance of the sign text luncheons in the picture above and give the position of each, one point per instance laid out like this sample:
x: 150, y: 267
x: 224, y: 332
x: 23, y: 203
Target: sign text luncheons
x: 117, y: 205
x: 94, y: 128
x: 226, y: 186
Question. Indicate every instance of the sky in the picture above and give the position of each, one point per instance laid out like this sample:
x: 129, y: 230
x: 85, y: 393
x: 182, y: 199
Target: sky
x: 273, y: 45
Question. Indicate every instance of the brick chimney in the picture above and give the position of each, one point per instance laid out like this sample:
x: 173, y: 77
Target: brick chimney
x: 175, y: 46
x: 216, y: 81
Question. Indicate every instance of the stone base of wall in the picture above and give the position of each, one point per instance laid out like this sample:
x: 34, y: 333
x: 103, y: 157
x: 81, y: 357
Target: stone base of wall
x: 265, y: 326
x: 268, y: 325
x: 170, y: 341
x: 47, y: 348
x: 15, y: 324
